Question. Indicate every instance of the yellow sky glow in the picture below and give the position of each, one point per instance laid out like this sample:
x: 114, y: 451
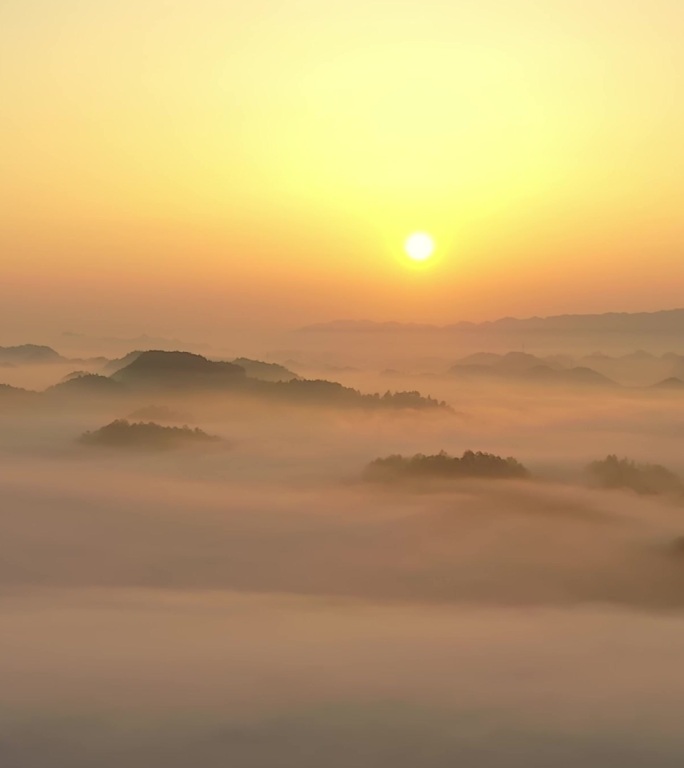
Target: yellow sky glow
x: 283, y: 151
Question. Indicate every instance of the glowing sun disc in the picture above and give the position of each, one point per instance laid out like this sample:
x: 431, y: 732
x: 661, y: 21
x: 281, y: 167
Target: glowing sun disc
x: 419, y: 246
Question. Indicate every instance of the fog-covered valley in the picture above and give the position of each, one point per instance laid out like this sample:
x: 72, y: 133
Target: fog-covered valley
x: 341, y: 384
x: 257, y: 599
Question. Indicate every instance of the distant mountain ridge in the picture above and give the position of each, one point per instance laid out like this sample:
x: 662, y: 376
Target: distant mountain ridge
x: 637, y: 368
x: 528, y: 367
x: 663, y: 321
x: 24, y: 354
x: 39, y: 354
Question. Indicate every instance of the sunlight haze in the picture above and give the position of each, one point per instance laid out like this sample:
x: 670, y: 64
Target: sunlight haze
x: 265, y: 160
x: 341, y: 383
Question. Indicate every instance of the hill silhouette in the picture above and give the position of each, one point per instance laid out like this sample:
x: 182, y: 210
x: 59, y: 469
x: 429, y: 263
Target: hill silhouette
x: 173, y: 371
x: 444, y: 466
x: 76, y: 375
x: 178, y: 370
x: 579, y: 375
x: 15, y: 397
x: 26, y: 354
x: 670, y: 383
x: 112, y: 366
x: 524, y: 366
x: 256, y: 369
x: 613, y: 472
x: 89, y: 384
x: 322, y: 392
x: 510, y: 362
x: 124, y: 434
x: 637, y: 368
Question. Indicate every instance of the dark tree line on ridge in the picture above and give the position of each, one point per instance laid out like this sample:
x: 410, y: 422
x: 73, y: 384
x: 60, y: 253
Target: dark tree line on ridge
x: 444, y: 466
x: 611, y: 473
x: 124, y: 434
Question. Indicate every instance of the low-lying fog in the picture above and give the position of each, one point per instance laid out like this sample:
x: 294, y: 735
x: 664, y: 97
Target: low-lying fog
x: 173, y: 679
x: 256, y: 604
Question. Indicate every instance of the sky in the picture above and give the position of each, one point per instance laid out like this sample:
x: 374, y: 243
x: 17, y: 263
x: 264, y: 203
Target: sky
x: 173, y: 167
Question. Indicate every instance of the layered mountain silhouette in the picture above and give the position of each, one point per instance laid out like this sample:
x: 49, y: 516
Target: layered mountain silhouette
x: 172, y: 371
x: 669, y: 321
x: 168, y: 373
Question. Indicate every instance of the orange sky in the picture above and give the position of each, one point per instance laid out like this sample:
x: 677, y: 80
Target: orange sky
x: 171, y: 166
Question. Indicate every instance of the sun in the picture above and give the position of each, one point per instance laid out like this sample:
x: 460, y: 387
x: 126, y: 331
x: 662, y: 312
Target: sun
x: 419, y: 246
